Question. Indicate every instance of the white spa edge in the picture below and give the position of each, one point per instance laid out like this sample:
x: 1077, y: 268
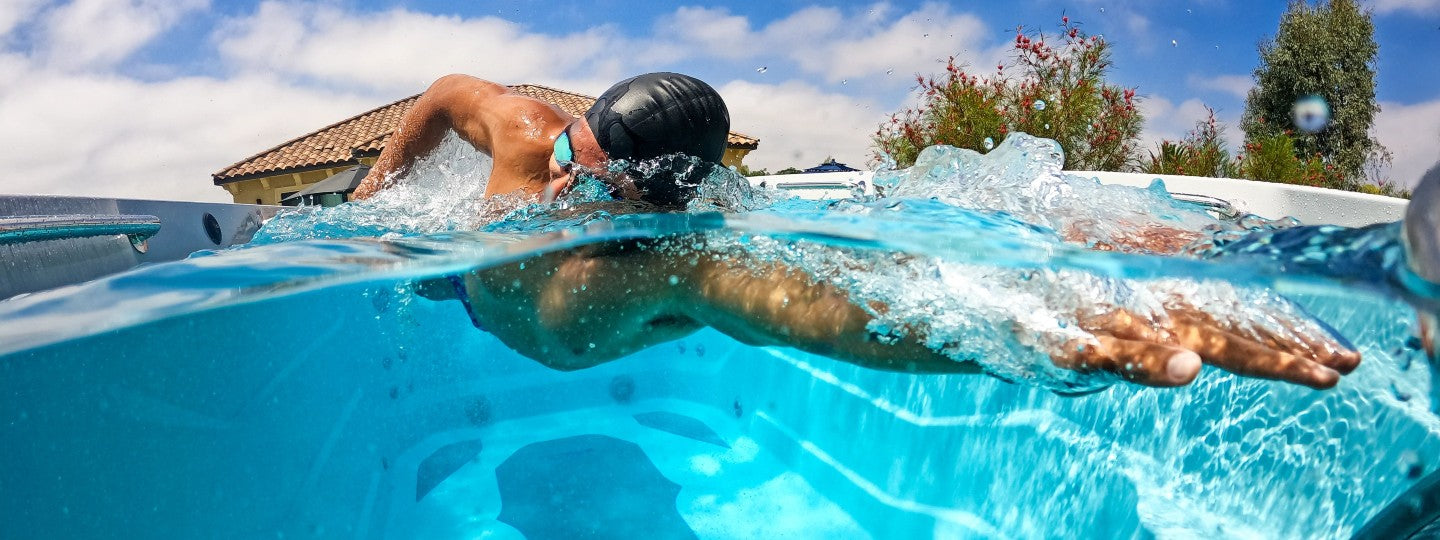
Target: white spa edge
x: 1311, y: 205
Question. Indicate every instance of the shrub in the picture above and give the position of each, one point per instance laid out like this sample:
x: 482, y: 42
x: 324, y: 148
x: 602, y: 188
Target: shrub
x: 1060, y: 92
x: 1201, y: 153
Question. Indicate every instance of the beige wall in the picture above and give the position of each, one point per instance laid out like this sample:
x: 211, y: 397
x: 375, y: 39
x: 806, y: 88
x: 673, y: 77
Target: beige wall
x: 269, y: 189
x: 734, y: 156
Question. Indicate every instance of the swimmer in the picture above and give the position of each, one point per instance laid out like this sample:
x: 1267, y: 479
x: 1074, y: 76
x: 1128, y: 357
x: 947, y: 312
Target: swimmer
x: 578, y: 308
x: 539, y: 150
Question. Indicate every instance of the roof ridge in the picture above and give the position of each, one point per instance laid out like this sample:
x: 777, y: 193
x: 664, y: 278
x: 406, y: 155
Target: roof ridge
x: 310, y: 134
x: 552, y: 89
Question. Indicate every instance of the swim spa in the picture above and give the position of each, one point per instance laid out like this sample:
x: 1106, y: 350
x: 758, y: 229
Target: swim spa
x: 301, y: 388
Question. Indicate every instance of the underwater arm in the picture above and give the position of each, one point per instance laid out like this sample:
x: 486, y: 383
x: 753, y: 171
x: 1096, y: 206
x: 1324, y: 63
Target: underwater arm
x: 457, y: 102
x: 771, y: 305
x: 578, y: 308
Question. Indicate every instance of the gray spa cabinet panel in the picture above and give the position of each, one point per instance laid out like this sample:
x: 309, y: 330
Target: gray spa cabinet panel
x: 185, y: 227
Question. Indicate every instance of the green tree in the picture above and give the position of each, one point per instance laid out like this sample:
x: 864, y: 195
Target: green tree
x: 1055, y: 91
x: 1327, y: 50
x: 743, y: 170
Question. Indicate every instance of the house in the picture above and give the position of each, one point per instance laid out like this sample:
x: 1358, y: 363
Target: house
x: 283, y: 171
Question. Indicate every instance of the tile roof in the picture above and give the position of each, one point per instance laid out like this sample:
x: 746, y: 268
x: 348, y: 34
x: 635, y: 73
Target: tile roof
x: 365, y: 134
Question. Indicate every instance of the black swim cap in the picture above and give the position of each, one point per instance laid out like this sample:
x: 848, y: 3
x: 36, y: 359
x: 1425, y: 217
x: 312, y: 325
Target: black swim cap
x: 655, y: 114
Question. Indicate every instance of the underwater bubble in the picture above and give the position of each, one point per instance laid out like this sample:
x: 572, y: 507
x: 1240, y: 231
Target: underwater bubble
x: 989, y: 144
x: 1311, y: 113
x: 762, y: 69
x: 674, y: 279
x: 1039, y: 104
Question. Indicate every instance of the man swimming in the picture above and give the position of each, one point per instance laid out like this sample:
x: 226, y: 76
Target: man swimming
x: 577, y: 308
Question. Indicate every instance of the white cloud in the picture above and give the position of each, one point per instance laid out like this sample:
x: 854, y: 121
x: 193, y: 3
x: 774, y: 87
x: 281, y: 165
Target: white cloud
x: 1412, y: 133
x: 399, y: 51
x: 1422, y: 7
x: 110, y: 136
x: 826, y: 42
x: 800, y: 125
x: 1235, y: 85
x: 12, y: 12
x: 100, y: 33
x: 1164, y: 120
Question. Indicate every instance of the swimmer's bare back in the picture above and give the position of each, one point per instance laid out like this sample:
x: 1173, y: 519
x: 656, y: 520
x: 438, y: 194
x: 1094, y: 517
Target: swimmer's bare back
x: 577, y: 308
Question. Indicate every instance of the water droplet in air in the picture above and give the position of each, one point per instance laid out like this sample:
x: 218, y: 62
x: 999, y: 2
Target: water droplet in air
x: 989, y: 143
x: 1039, y: 104
x: 762, y: 69
x: 1311, y: 113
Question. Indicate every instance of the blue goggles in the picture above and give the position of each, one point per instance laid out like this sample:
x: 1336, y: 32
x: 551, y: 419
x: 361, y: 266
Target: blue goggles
x: 564, y: 151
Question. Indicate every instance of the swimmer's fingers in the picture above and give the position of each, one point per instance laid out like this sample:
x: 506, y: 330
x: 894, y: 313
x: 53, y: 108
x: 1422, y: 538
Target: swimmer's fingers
x: 1302, y: 339
x: 1248, y: 357
x: 1123, y: 324
x: 1147, y: 363
x: 1316, y: 344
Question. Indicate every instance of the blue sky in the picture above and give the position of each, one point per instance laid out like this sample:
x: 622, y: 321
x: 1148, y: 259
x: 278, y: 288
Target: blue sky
x: 163, y: 92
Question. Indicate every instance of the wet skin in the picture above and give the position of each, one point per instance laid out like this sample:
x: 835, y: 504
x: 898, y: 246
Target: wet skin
x: 578, y: 308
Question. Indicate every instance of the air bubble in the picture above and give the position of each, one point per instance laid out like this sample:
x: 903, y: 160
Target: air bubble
x: 989, y: 144
x: 1311, y: 114
x: 1039, y: 105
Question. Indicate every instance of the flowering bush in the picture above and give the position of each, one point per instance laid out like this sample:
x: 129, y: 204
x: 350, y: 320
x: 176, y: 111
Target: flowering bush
x: 1059, y: 93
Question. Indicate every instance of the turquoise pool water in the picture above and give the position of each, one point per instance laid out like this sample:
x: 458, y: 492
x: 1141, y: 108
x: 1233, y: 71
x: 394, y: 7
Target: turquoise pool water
x: 299, y: 388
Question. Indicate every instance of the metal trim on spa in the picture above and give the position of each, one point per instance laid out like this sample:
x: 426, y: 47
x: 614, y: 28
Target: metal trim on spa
x: 17, y: 229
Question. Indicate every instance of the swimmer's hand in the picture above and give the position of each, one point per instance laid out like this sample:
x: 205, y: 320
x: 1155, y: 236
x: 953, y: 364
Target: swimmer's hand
x: 1169, y: 352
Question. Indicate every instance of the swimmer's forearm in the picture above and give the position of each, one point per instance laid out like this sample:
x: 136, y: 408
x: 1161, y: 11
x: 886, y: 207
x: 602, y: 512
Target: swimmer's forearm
x: 781, y: 307
x: 448, y: 104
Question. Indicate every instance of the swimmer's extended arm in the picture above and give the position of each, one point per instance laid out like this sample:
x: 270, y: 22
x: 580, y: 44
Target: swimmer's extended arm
x: 572, y: 310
